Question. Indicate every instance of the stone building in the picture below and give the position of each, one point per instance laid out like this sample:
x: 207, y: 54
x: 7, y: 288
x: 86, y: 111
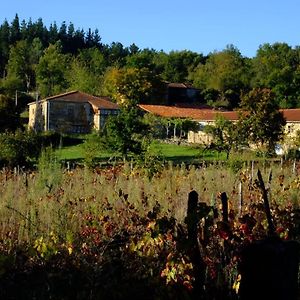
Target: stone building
x: 71, y: 112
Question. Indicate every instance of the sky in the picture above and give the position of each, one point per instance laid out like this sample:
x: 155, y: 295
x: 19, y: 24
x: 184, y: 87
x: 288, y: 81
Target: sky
x: 195, y: 25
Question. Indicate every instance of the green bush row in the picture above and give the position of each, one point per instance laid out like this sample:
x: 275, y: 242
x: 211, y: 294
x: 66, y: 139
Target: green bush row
x: 23, y: 148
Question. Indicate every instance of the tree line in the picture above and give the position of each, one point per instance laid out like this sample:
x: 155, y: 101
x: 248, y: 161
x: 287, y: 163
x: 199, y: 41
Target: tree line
x: 59, y: 58
x: 40, y: 61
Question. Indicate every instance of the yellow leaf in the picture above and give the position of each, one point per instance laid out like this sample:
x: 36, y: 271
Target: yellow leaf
x: 70, y: 250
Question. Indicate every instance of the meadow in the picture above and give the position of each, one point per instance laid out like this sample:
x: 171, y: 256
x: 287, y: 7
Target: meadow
x: 121, y: 232
x: 81, y: 148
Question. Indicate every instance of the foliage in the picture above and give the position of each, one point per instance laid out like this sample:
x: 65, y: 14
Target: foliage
x: 126, y: 133
x: 23, y: 59
x: 176, y: 65
x: 86, y: 71
x: 226, y: 72
x: 130, y: 86
x: 49, y: 175
x: 9, y: 117
x: 17, y: 148
x: 296, y: 140
x: 23, y: 148
x: 161, y: 127
x: 262, y: 121
x: 181, y: 125
x: 157, y: 125
x: 127, y: 231
x: 276, y: 67
x: 91, y: 148
x: 51, y: 71
x: 225, y: 135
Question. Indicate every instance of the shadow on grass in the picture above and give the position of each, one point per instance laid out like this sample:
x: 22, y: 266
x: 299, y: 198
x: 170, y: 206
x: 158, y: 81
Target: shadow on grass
x: 72, y: 140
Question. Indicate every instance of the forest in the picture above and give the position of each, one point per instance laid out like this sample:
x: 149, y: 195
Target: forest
x: 45, y: 61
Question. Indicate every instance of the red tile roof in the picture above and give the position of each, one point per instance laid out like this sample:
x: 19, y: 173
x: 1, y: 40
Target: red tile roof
x: 198, y: 114
x: 291, y: 115
x: 77, y: 96
x: 206, y: 114
x: 180, y: 85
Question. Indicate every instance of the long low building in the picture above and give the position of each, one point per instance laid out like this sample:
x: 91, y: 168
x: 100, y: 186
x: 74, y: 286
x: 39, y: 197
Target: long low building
x: 206, y: 116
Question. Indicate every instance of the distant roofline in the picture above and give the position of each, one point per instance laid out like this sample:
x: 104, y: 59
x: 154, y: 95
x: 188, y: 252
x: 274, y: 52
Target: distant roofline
x: 181, y: 85
x: 207, y: 114
x: 90, y: 99
x: 53, y: 97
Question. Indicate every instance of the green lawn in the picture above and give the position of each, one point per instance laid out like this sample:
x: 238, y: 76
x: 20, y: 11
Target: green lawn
x: 173, y: 152
x: 176, y: 152
x: 79, y: 152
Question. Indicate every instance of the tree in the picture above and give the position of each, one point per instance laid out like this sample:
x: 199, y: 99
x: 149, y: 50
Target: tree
x: 116, y: 54
x: 4, y: 46
x: 22, y: 62
x: 141, y: 59
x: 175, y: 66
x: 15, y: 34
x: 296, y: 140
x: 9, y: 118
x: 261, y: 120
x: 180, y: 127
x: 53, y: 33
x: 51, y: 71
x: 225, y: 72
x: 225, y: 135
x: 130, y: 86
x: 133, y: 49
x: 276, y: 67
x: 86, y: 71
x: 127, y: 133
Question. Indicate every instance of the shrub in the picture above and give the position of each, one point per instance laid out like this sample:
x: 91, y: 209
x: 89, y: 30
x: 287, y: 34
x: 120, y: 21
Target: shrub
x: 293, y: 154
x: 23, y: 148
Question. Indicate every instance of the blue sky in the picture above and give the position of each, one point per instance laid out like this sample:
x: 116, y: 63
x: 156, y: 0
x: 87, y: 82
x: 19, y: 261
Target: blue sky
x: 196, y: 25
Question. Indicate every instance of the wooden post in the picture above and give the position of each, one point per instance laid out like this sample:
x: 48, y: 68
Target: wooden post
x: 224, y: 201
x: 240, y: 200
x: 294, y: 167
x: 266, y: 202
x: 192, y: 220
x: 174, y: 132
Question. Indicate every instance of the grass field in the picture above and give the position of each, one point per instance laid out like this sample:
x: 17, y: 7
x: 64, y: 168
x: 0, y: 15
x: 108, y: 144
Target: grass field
x: 168, y: 151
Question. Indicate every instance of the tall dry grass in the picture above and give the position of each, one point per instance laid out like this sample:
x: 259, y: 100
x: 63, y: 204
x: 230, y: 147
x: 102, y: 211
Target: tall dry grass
x: 55, y: 200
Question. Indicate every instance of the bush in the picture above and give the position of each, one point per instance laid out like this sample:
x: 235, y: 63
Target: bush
x: 91, y: 147
x: 23, y: 148
x: 235, y: 165
x: 293, y: 154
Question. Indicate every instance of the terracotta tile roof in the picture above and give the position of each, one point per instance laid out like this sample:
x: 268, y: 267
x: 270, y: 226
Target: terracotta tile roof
x: 77, y: 96
x: 291, y: 115
x: 180, y: 85
x: 207, y: 114
x: 198, y: 114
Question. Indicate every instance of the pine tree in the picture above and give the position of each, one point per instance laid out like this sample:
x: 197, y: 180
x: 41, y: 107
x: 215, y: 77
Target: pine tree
x: 15, y: 34
x: 4, y: 46
x: 53, y: 33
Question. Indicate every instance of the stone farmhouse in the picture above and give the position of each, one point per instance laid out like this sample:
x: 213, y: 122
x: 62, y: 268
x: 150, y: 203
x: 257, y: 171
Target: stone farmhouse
x: 71, y: 112
x: 206, y: 116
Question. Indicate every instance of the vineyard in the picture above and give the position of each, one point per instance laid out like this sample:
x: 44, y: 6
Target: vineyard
x: 123, y: 233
